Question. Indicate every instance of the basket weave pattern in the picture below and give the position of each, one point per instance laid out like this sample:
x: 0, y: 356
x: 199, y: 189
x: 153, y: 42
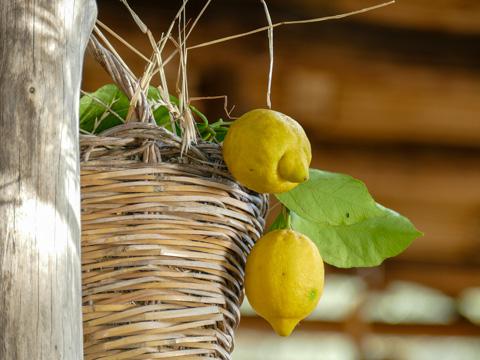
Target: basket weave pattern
x: 165, y: 237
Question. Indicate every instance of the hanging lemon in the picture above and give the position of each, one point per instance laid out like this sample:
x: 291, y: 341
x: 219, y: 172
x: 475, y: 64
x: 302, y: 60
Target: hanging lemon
x: 267, y: 151
x: 284, y: 278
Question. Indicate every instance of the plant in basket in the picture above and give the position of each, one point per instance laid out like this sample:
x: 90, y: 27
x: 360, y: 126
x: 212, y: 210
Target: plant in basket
x: 173, y: 215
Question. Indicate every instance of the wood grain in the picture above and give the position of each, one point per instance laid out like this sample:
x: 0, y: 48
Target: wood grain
x: 357, y: 97
x: 456, y: 16
x: 459, y: 328
x: 41, y: 53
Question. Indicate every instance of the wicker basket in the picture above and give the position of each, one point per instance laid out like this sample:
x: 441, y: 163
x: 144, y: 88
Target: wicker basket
x: 164, y: 240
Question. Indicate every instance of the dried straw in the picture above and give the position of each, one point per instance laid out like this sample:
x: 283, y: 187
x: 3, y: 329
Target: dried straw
x: 270, y: 52
x: 292, y: 22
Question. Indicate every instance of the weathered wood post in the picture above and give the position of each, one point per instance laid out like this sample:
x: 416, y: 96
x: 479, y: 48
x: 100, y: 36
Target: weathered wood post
x: 42, y: 45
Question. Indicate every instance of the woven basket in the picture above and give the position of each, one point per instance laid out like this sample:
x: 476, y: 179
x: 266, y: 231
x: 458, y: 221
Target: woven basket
x: 165, y: 238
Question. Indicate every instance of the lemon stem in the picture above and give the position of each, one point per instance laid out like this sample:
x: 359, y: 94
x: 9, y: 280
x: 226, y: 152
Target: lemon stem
x: 287, y: 216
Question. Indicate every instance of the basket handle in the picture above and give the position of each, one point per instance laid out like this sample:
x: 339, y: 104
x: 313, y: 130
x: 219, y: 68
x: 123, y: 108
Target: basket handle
x: 124, y: 78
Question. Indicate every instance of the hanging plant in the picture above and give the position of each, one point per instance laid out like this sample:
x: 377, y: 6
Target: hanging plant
x: 169, y: 215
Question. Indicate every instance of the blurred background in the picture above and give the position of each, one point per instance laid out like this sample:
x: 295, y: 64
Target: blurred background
x: 391, y: 97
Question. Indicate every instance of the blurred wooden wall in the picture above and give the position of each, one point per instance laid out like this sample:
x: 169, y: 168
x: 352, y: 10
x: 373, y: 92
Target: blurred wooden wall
x: 391, y: 97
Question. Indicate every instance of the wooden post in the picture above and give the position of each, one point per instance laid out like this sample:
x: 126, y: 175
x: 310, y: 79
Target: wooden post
x: 42, y: 44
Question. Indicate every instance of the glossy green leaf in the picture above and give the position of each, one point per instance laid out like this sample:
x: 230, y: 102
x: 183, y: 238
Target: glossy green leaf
x: 365, y: 243
x: 351, y: 230
x: 330, y: 198
x: 95, y: 115
x: 108, y: 107
x: 281, y: 222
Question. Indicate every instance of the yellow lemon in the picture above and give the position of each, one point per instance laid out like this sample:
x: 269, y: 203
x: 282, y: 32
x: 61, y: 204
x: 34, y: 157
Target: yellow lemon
x: 267, y: 151
x: 284, y: 279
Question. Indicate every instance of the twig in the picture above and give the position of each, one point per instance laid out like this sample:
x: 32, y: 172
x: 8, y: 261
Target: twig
x: 110, y: 47
x: 198, y: 18
x: 123, y: 41
x: 270, y: 50
x: 332, y: 17
x: 143, y: 28
x: 225, y: 102
x: 169, y: 31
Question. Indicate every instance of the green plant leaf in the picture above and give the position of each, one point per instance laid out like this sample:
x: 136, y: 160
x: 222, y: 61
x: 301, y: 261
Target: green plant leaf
x: 350, y: 229
x: 365, y: 243
x: 108, y: 107
x: 94, y: 108
x: 99, y: 110
x: 281, y: 222
x: 160, y: 113
x: 330, y: 198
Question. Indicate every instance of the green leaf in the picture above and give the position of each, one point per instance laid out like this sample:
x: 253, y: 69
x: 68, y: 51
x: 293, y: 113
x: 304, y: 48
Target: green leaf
x: 153, y: 93
x: 94, y: 108
x: 350, y: 229
x: 281, y: 222
x: 108, y: 107
x: 162, y: 117
x: 160, y: 113
x: 365, y: 243
x: 95, y: 115
x: 330, y: 198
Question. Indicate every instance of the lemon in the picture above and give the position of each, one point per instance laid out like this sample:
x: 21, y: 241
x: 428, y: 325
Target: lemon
x: 284, y: 279
x: 267, y: 151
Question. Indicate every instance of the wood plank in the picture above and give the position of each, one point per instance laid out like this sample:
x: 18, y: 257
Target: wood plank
x: 450, y: 279
x: 41, y: 49
x: 447, y: 15
x: 402, y: 102
x: 431, y: 175
x: 460, y: 328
